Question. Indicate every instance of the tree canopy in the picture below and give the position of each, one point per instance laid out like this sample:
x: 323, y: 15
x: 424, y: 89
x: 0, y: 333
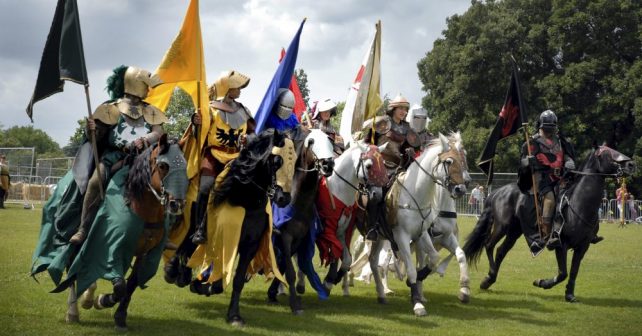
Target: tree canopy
x: 579, y: 58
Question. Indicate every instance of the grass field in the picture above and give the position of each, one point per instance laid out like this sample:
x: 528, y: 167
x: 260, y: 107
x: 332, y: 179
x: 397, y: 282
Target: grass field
x: 609, y: 288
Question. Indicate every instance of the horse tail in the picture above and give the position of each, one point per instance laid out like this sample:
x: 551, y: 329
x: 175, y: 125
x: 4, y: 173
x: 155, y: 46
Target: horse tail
x: 477, y: 238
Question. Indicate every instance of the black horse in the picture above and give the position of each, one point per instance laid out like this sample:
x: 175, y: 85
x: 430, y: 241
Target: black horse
x: 260, y: 173
x: 294, y: 235
x: 508, y: 212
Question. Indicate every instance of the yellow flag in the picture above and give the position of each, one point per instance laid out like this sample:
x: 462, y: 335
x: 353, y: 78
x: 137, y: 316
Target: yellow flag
x: 183, y: 66
x: 373, y: 103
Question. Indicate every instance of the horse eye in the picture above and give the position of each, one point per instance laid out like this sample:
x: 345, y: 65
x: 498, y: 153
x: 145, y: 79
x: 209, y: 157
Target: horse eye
x: 163, y: 166
x: 449, y: 160
x: 368, y: 164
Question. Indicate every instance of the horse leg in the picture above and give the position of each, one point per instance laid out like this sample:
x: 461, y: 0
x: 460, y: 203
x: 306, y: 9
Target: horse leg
x: 560, y: 254
x: 290, y: 274
x: 375, y: 249
x: 246, y: 254
x: 72, y: 315
x: 346, y: 261
x: 331, y: 277
x: 120, y: 316
x: 411, y: 271
x: 300, y: 282
x: 578, y: 255
x: 421, y: 263
x: 87, y: 298
x: 502, y: 250
x: 464, y: 281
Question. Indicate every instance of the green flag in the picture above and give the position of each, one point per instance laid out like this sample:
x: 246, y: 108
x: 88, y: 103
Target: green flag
x: 63, y: 57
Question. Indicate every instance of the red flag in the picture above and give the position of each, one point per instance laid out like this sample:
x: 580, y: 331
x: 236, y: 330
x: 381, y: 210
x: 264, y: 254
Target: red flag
x: 299, y: 103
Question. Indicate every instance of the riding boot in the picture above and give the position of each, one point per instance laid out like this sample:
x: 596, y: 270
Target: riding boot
x: 90, y: 205
x: 199, y: 219
x: 554, y: 241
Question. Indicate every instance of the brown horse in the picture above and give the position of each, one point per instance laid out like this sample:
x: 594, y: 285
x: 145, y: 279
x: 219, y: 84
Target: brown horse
x: 133, y: 223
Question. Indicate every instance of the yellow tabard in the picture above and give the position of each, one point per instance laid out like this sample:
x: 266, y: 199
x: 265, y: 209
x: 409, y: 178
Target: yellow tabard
x: 221, y: 135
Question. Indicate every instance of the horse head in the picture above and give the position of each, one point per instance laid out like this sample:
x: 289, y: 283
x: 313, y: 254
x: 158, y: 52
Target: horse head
x: 452, y: 161
x: 169, y: 173
x: 281, y: 164
x: 318, y: 153
x: 610, y: 161
x: 157, y: 179
x: 369, y: 164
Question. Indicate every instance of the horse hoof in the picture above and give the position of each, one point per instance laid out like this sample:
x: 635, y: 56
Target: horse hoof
x: 419, y: 310
x: 464, y: 298
x: 382, y: 300
x: 236, y: 321
x: 297, y: 312
x: 300, y: 289
x: 272, y: 301
x: 72, y: 318
x: 570, y: 298
x: 486, y: 283
x: 537, y: 283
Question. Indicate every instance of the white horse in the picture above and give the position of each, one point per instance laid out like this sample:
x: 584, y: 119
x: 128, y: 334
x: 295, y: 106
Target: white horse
x: 410, y: 203
x: 444, y: 231
x: 358, y: 166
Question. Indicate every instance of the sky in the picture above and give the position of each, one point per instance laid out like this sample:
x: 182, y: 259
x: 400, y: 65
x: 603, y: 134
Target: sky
x: 246, y: 36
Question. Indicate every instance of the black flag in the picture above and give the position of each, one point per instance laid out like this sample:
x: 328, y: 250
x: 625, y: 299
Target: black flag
x: 510, y: 120
x: 63, y: 57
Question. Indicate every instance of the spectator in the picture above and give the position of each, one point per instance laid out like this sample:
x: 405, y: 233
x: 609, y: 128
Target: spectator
x: 476, y: 199
x: 5, y: 180
x: 632, y: 210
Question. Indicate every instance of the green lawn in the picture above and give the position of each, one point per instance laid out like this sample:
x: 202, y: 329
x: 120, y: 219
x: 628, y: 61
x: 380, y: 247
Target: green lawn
x: 608, y: 288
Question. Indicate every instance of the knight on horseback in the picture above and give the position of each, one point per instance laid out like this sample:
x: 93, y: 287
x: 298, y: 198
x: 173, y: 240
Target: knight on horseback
x: 231, y: 121
x: 402, y: 143
x: 325, y: 110
x: 551, y: 157
x: 417, y: 117
x: 122, y: 125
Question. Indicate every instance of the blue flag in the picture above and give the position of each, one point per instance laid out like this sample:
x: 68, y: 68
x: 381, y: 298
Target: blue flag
x: 281, y: 80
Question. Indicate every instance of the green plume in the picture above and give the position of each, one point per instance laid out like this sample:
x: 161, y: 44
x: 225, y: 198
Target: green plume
x: 116, y: 83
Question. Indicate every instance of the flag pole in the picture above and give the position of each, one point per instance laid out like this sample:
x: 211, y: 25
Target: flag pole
x: 538, y: 212
x: 92, y: 138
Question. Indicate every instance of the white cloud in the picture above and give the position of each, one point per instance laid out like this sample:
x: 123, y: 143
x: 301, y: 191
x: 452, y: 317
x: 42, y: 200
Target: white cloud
x: 242, y: 35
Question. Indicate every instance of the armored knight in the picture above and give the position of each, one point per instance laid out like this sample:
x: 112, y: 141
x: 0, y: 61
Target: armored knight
x: 550, y: 156
x: 418, y: 119
x: 396, y: 131
x: 124, y: 124
x: 321, y: 119
x: 230, y: 122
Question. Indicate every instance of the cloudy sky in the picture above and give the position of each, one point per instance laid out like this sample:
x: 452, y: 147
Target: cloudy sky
x: 242, y: 35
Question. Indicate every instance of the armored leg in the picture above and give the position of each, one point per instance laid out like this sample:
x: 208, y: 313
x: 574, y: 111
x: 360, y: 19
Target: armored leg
x: 550, y: 229
x: 199, y: 218
x: 91, y: 204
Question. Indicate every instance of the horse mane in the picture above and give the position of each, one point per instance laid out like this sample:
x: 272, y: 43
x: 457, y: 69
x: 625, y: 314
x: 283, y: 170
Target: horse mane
x: 243, y: 168
x: 139, y: 175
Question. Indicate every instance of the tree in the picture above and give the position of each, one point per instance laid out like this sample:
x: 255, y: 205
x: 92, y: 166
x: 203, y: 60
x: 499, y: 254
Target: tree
x: 582, y: 59
x: 179, y: 111
x: 76, y: 140
x: 302, y: 81
x: 27, y: 136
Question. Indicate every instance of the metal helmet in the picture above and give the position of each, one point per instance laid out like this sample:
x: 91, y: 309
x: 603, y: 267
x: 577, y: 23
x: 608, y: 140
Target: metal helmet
x: 548, y: 120
x: 417, y: 117
x: 398, y: 101
x: 284, y: 103
x: 228, y: 80
x: 139, y: 81
x: 326, y: 105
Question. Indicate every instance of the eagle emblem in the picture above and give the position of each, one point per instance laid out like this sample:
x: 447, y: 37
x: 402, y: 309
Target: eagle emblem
x: 229, y: 138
